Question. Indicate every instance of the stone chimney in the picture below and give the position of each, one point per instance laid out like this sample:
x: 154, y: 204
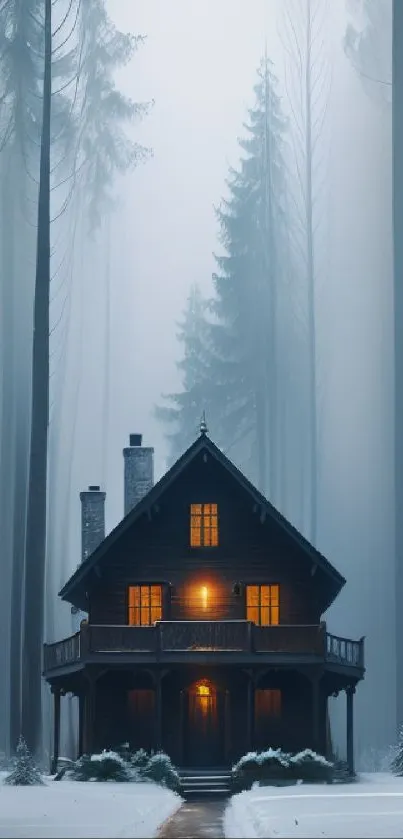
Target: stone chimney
x: 139, y: 471
x: 92, y: 520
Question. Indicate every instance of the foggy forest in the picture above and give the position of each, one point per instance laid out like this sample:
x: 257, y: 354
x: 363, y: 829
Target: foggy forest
x: 196, y: 203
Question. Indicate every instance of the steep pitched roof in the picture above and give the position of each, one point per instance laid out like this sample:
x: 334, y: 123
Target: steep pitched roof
x: 202, y: 443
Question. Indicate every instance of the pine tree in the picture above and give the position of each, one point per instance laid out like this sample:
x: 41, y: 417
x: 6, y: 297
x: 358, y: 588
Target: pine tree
x: 231, y: 359
x: 186, y: 407
x: 25, y: 773
x: 246, y: 333
x: 397, y: 762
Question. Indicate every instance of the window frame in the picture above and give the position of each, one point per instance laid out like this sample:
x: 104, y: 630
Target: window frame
x: 131, y: 608
x: 260, y: 606
x: 209, y: 524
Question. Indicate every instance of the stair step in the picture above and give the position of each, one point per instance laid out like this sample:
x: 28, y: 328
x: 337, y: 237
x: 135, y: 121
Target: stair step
x: 224, y: 793
x: 194, y: 783
x: 204, y: 782
x: 205, y: 778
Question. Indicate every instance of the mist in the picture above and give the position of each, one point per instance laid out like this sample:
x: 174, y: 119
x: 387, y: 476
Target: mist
x: 129, y: 281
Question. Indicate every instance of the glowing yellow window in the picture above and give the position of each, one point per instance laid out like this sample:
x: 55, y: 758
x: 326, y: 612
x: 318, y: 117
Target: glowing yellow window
x: 203, y: 525
x: 263, y: 605
x: 145, y: 605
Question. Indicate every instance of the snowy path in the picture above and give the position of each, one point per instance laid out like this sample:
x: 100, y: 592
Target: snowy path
x: 370, y: 809
x: 73, y: 809
x: 196, y: 820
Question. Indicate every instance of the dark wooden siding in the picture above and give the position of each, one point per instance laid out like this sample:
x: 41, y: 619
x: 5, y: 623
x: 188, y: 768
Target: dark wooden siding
x: 250, y: 551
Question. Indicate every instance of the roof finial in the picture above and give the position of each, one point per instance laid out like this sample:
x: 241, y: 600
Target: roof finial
x: 203, y: 424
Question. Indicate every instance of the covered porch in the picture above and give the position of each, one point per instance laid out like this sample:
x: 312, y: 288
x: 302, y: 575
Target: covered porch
x: 204, y: 716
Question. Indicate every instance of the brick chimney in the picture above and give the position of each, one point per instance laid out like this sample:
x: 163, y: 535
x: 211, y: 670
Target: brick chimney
x: 92, y: 520
x: 138, y: 472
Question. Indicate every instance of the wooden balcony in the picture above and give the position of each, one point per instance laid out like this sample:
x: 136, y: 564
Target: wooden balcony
x: 200, y: 641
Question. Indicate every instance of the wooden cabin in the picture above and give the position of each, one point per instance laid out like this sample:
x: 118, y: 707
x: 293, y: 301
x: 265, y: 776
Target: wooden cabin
x: 204, y: 633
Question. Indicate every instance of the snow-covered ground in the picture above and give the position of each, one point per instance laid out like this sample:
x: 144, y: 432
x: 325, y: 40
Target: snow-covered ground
x: 73, y: 809
x: 369, y: 809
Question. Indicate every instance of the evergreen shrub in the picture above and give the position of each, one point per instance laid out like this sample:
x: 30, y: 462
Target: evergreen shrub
x: 24, y: 773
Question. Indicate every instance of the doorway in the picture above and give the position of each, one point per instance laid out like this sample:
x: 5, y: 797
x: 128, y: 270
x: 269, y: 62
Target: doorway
x: 204, y: 725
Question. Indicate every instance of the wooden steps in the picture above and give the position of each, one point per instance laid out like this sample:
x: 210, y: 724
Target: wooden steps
x: 202, y: 783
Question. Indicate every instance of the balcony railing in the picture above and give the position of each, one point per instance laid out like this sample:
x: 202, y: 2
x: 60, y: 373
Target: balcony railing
x: 170, y: 637
x: 344, y: 651
x: 62, y: 652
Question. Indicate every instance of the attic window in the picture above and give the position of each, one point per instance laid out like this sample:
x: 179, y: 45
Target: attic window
x: 203, y: 525
x: 145, y: 605
x: 263, y: 605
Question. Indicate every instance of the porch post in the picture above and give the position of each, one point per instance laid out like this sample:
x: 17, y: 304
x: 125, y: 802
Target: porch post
x: 250, y: 723
x: 89, y: 718
x: 227, y: 730
x: 316, y: 679
x: 81, y: 701
x: 182, y: 725
x: 158, y: 710
x: 350, y: 691
x: 56, y: 729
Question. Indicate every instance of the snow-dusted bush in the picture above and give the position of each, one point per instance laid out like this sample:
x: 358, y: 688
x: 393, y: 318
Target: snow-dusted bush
x: 160, y: 769
x: 106, y: 766
x: 277, y: 767
x: 342, y: 774
x: 274, y: 763
x: 245, y: 772
x: 397, y: 761
x: 376, y: 760
x: 25, y: 773
x: 311, y: 767
x: 139, y: 760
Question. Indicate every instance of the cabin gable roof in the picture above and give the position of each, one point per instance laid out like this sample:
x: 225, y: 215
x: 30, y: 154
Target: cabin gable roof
x: 202, y: 444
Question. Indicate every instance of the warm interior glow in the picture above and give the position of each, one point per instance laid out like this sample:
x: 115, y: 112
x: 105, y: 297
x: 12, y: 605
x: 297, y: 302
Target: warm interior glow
x: 263, y: 605
x: 203, y: 701
x: 145, y: 605
x: 203, y: 690
x: 204, y: 596
x: 203, y: 525
x: 267, y: 703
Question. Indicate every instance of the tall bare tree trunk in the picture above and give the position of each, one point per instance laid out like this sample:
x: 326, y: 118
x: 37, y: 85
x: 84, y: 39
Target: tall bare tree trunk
x: 398, y: 310
x: 271, y: 278
x: 7, y: 432
x: 311, y: 282
x: 37, y: 487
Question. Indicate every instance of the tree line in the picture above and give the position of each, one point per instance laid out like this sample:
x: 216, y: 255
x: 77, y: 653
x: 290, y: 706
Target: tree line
x: 250, y: 355
x: 63, y: 141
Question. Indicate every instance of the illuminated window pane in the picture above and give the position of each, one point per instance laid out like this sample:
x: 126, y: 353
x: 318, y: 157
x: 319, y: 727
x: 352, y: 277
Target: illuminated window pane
x: 264, y: 616
x: 265, y: 595
x: 203, y: 525
x: 274, y: 595
x: 263, y: 605
x: 252, y: 595
x: 156, y: 595
x: 145, y: 605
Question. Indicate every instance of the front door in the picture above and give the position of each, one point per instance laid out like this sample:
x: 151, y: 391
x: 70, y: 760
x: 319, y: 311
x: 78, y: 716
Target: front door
x: 205, y: 725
